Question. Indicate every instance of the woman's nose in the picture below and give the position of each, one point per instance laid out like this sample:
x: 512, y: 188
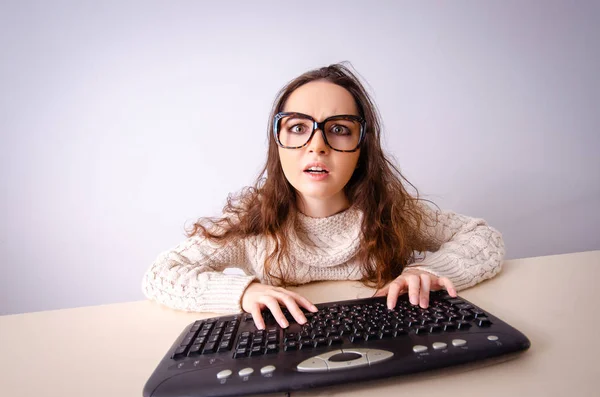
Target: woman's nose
x: 317, y: 143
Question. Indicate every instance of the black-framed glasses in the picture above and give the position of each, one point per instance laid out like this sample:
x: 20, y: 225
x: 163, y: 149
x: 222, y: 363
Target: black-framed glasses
x: 342, y: 133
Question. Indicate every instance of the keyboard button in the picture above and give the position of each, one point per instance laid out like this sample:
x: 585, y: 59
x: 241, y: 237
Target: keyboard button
x: 196, y: 326
x: 246, y: 371
x: 357, y: 338
x: 421, y: 329
x: 492, y: 338
x: 179, y: 352
x: 226, y: 373
x: 376, y: 355
x: 210, y: 347
x: 458, y: 342
x: 256, y: 351
x: 419, y: 348
x: 336, y: 340
x: 465, y: 315
x: 483, y: 322
x: 195, y: 349
x: 313, y: 364
x: 187, y: 341
x: 223, y: 346
x: 435, y: 328
x: 455, y: 301
x: 448, y: 326
x: 291, y: 345
x: 321, y: 341
x: 229, y: 330
x: 240, y: 353
x: 306, y: 343
x: 267, y: 369
x: 478, y: 313
x: 439, y: 346
x: 387, y: 333
x: 204, y: 332
x: 401, y: 331
x: 462, y: 324
x: 226, y: 337
x: 271, y: 348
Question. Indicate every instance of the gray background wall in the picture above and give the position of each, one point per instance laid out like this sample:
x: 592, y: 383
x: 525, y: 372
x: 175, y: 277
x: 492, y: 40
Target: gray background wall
x: 122, y: 120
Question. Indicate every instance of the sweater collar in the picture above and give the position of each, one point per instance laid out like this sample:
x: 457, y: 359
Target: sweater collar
x: 325, y: 242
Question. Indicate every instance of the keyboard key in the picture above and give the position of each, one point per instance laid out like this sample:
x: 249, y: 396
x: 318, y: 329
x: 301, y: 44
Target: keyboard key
x: 223, y: 346
x: 387, y: 333
x: 306, y: 343
x: 420, y: 329
x: 240, y: 353
x: 322, y: 341
x: 478, y: 313
x: 372, y: 335
x: 336, y: 340
x: 195, y: 349
x: 271, y: 348
x: 256, y: 351
x: 448, y: 326
x: 291, y: 345
x: 462, y: 324
x: 196, y: 327
x: 357, y: 338
x: 187, y: 341
x: 210, y: 347
x: 483, y: 322
x: 401, y: 331
x: 179, y: 352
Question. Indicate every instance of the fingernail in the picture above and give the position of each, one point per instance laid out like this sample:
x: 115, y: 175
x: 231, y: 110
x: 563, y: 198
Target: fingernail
x: 414, y: 300
x: 314, y: 309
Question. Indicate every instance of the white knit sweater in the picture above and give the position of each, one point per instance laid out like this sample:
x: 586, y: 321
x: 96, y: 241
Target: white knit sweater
x: 189, y: 277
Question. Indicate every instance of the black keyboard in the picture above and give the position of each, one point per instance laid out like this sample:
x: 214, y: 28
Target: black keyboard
x: 343, y: 342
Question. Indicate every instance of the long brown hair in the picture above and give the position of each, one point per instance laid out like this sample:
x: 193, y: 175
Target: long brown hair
x: 392, y: 219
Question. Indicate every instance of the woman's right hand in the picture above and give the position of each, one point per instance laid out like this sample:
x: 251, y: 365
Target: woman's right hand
x: 258, y: 296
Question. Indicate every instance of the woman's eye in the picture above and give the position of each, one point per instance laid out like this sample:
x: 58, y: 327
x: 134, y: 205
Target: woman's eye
x: 298, y: 129
x: 340, y: 129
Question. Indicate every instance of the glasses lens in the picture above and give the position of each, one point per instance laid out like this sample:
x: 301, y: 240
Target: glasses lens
x: 342, y: 134
x: 294, y: 131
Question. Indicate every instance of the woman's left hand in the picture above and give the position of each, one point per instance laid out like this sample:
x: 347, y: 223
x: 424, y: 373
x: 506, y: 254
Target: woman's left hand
x: 418, y: 283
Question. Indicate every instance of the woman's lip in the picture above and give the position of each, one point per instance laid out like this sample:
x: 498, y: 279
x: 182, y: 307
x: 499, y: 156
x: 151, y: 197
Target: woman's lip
x: 316, y: 164
x: 317, y: 176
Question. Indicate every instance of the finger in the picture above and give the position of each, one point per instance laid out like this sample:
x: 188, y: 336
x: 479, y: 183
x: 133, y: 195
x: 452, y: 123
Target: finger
x: 383, y: 291
x: 448, y: 285
x: 414, y: 283
x: 257, y: 316
x: 425, y: 288
x: 395, y: 289
x: 305, y: 303
x: 273, y: 304
x: 292, y: 306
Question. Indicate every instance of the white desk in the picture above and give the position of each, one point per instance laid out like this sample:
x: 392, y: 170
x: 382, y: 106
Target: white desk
x: 111, y: 350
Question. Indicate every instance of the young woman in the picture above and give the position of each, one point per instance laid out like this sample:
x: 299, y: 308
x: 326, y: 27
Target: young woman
x: 328, y: 205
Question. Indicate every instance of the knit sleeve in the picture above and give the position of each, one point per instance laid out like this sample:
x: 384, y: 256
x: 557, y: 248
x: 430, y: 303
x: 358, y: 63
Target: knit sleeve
x: 189, y: 277
x: 469, y: 250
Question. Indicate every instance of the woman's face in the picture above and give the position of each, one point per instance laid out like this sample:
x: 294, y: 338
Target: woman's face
x: 320, y: 100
